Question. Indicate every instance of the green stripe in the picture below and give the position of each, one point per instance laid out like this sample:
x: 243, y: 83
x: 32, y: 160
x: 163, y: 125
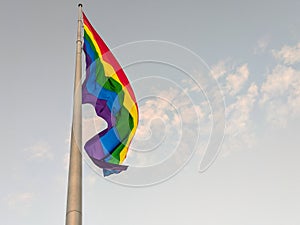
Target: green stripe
x: 124, y: 123
x: 88, y: 38
x: 111, y: 84
x: 115, y: 156
x: 124, y: 120
x: 106, y: 82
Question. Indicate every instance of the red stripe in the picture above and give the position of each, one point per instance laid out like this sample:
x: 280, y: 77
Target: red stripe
x: 109, y: 58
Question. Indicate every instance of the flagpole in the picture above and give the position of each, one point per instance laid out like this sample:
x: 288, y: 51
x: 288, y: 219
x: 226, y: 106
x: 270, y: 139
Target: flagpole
x: 74, y: 197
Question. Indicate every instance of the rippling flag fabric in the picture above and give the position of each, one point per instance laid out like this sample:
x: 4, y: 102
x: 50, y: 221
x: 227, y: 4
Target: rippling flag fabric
x: 106, y: 87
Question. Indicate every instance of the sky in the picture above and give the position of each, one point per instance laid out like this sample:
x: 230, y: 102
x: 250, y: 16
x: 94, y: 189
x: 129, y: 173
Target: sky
x: 217, y: 84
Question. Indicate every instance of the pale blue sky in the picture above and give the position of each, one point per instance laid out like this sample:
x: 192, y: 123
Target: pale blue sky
x: 253, y: 50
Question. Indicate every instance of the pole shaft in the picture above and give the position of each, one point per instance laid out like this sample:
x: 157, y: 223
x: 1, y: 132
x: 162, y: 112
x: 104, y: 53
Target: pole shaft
x: 74, y: 197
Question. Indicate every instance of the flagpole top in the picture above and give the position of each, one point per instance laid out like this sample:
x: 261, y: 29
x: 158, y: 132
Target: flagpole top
x: 79, y: 5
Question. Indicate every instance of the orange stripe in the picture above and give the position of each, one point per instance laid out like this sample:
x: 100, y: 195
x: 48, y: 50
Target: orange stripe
x: 108, y: 57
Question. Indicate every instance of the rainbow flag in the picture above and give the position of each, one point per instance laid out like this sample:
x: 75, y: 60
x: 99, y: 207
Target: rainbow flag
x: 106, y: 87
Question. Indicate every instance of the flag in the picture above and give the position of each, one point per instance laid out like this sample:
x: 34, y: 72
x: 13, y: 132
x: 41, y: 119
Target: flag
x: 107, y: 88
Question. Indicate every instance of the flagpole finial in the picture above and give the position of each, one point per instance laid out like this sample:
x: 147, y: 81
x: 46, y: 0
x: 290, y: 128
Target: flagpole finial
x: 79, y: 5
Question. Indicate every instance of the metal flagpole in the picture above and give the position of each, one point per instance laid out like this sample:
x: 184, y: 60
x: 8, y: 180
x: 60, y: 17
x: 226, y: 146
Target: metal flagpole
x: 74, y: 198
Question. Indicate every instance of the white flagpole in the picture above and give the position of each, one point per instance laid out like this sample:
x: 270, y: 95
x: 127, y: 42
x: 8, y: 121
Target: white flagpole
x: 74, y: 198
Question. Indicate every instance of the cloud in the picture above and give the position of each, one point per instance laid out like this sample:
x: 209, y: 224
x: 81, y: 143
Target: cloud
x: 163, y: 117
x: 231, y: 77
x: 20, y: 200
x: 281, y: 95
x: 239, y: 124
x: 278, y: 96
x: 288, y: 54
x: 262, y: 45
x: 40, y: 151
x: 171, y: 106
x: 238, y: 113
x: 240, y: 100
x: 236, y: 81
x: 221, y: 68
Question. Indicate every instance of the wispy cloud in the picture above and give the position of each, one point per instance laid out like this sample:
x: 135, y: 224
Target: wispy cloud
x: 288, y: 54
x: 222, y: 68
x: 240, y: 101
x: 239, y: 131
x: 278, y: 95
x: 281, y: 95
x: 163, y: 118
x: 262, y: 45
x: 20, y: 200
x: 172, y: 106
x: 233, y: 79
x: 236, y: 80
x: 231, y: 76
x: 40, y: 151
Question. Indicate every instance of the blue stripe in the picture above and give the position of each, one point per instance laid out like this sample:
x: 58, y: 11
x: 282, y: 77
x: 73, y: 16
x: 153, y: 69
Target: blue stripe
x: 102, y: 93
x: 87, y: 47
x: 110, y: 141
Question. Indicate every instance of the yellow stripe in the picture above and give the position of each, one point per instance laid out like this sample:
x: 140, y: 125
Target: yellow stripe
x: 108, y: 69
x: 123, y: 153
x: 110, y: 72
x: 128, y: 103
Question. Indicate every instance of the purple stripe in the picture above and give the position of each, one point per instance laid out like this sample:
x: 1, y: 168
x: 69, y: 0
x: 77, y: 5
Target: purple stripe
x: 100, y: 106
x: 94, y: 148
x: 105, y: 165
